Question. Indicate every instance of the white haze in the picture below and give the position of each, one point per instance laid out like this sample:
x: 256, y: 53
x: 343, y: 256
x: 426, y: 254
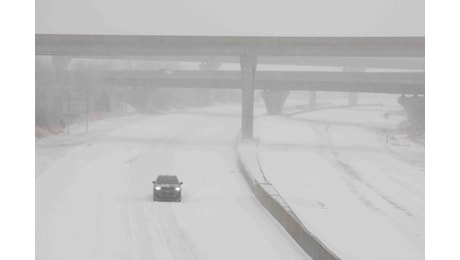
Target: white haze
x: 239, y: 17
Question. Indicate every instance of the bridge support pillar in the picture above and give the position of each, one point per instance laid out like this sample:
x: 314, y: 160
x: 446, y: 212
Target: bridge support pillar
x: 312, y: 101
x: 248, y: 70
x: 274, y: 100
x: 353, y: 96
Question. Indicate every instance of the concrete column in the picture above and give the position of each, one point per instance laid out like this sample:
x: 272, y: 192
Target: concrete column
x: 274, y: 100
x: 353, y: 96
x: 312, y: 101
x: 248, y: 70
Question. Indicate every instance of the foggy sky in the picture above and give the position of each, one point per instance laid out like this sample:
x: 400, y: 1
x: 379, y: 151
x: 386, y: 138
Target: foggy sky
x: 236, y: 17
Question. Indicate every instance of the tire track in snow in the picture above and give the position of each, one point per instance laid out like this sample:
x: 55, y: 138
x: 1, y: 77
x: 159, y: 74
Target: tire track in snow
x: 381, y: 207
x: 172, y: 242
x: 384, y: 131
x: 176, y: 241
x: 354, y: 175
x: 410, y: 222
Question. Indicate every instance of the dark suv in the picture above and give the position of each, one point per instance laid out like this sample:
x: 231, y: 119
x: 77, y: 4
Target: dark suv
x: 167, y: 187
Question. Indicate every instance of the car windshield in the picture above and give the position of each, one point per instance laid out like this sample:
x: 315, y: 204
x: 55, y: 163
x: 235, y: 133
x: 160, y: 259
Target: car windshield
x: 164, y: 179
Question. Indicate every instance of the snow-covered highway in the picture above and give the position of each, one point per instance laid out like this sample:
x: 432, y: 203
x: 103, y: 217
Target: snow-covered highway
x: 95, y: 200
x: 351, y: 178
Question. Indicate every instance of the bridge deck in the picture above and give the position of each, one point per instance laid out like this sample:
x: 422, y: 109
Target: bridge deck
x: 123, y: 45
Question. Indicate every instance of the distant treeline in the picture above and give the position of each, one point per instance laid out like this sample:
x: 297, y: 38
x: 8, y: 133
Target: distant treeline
x: 415, y: 108
x: 59, y: 100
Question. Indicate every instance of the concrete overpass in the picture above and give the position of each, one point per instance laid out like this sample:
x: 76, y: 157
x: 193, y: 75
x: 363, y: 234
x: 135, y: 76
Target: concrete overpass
x: 369, y: 82
x: 397, y: 63
x: 248, y: 50
x: 130, y: 45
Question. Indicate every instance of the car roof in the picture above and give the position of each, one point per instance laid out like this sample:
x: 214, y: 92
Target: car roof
x: 167, y: 178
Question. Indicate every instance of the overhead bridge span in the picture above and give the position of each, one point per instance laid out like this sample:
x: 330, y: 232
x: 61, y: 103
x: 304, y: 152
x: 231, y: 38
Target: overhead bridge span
x: 354, y: 54
x: 369, y: 82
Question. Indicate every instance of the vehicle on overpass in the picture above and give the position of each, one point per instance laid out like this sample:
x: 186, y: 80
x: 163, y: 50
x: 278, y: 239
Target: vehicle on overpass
x: 167, y: 187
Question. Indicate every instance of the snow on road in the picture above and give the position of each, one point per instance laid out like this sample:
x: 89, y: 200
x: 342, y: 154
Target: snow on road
x: 49, y: 150
x: 95, y: 201
x: 362, y: 197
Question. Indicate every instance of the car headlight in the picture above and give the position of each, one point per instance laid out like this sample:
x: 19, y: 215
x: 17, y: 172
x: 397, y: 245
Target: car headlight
x: 178, y: 188
x: 158, y: 188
